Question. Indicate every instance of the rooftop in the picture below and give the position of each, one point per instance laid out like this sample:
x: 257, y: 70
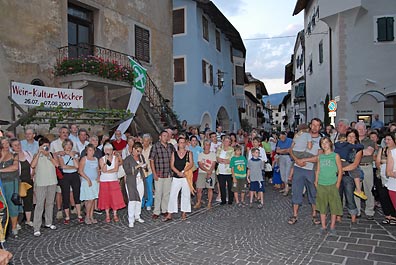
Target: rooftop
x: 222, y: 23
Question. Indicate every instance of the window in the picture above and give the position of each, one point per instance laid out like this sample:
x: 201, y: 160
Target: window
x: 299, y: 91
x: 309, y: 68
x: 178, y: 70
x: 37, y: 82
x: 142, y: 44
x: 218, y: 43
x: 178, y: 21
x: 321, y: 52
x: 205, y: 28
x: 385, y: 29
x: 240, y: 75
x: 80, y: 31
x: 207, y: 72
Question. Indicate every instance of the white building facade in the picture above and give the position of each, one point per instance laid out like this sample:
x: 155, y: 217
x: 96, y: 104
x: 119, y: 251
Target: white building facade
x: 350, y: 53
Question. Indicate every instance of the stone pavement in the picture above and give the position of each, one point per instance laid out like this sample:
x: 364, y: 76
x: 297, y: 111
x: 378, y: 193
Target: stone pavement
x: 223, y: 235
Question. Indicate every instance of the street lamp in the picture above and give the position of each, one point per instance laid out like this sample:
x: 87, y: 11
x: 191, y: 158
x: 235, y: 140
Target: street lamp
x: 220, y: 82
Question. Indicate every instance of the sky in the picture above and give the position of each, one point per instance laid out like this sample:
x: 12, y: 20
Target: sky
x: 265, y: 59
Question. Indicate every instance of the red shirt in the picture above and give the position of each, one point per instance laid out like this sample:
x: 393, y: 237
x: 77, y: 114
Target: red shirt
x: 118, y: 146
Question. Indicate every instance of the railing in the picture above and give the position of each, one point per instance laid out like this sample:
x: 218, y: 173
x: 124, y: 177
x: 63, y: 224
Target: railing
x: 152, y: 92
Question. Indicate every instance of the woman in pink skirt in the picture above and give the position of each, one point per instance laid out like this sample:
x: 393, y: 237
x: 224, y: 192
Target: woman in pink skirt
x: 110, y: 195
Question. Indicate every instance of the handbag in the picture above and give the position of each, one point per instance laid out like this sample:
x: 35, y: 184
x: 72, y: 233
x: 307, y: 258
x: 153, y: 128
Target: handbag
x: 23, y: 188
x: 267, y: 167
x: 59, y: 172
x: 15, y: 198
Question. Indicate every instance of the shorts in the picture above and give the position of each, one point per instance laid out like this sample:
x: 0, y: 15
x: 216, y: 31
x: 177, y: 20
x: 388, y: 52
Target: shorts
x: 257, y: 186
x: 240, y: 185
x: 327, y: 196
x: 202, y: 184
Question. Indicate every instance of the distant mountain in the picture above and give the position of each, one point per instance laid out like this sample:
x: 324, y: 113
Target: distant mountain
x: 275, y: 99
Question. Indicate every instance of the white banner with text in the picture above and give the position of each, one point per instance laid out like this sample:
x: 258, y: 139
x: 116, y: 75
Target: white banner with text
x: 26, y: 94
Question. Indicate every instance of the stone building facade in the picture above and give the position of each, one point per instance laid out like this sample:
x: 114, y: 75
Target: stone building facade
x: 33, y: 33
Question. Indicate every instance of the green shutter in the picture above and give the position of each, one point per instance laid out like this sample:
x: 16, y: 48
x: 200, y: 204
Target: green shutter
x: 390, y: 29
x: 381, y: 29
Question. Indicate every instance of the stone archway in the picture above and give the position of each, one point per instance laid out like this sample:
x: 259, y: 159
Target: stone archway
x: 206, y: 119
x: 223, y: 119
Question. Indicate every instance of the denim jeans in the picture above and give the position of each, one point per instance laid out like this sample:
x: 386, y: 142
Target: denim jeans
x: 303, y: 178
x: 347, y: 188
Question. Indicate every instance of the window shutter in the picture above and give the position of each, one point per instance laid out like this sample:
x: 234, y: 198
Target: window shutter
x: 211, y: 74
x: 178, y: 21
x: 205, y: 28
x: 218, y: 41
x: 390, y: 28
x: 203, y: 71
x: 321, y: 52
x: 381, y: 29
x: 240, y: 74
x: 179, y: 70
x: 142, y: 44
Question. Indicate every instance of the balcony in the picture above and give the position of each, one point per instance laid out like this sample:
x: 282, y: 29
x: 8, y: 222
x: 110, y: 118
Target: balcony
x: 107, y: 78
x: 85, y: 63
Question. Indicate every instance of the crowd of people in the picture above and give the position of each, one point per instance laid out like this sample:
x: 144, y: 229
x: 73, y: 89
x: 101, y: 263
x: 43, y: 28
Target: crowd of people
x: 83, y: 175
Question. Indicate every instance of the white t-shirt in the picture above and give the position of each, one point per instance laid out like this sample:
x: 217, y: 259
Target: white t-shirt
x: 207, y: 160
x: 213, y: 146
x: 273, y: 144
x: 223, y: 168
x: 56, y: 146
x: 80, y: 146
x: 391, y: 184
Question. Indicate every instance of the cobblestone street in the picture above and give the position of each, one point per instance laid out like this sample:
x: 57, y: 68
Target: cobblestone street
x: 222, y: 235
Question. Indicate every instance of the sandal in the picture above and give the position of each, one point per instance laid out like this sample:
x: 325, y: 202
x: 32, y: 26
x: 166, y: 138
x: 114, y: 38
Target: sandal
x: 116, y: 219
x: 184, y: 217
x: 107, y: 220
x: 292, y: 220
x: 166, y: 219
x: 386, y: 221
x: 315, y: 220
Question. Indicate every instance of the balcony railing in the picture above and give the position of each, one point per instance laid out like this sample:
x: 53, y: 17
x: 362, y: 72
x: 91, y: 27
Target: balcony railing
x: 85, y: 50
x: 152, y: 92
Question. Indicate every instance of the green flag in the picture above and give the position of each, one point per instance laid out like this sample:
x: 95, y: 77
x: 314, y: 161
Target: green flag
x: 140, y: 75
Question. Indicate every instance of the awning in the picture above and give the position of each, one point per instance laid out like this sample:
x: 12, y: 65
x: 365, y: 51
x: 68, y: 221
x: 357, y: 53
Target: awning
x: 376, y: 94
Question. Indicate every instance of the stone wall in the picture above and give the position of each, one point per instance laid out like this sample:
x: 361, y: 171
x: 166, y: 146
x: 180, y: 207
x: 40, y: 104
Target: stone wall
x: 32, y: 31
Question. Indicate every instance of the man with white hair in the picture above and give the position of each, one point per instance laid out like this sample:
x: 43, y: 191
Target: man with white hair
x: 342, y: 127
x: 366, y: 164
x: 118, y: 142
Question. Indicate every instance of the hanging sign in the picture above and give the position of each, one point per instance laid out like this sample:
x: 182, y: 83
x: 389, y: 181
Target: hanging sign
x: 31, y: 95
